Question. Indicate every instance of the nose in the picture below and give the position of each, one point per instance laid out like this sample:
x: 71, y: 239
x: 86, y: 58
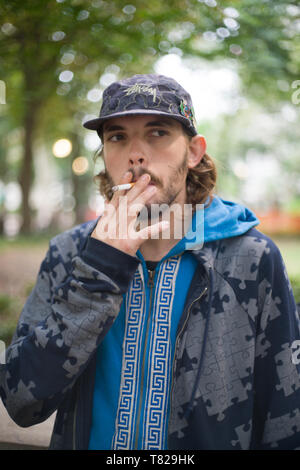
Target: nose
x: 136, y: 154
x: 137, y: 160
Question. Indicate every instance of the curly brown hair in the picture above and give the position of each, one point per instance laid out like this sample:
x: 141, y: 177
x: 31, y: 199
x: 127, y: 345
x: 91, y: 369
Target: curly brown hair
x: 200, y: 181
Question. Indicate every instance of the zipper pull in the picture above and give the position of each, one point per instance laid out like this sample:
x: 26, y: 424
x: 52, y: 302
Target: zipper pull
x: 151, y: 278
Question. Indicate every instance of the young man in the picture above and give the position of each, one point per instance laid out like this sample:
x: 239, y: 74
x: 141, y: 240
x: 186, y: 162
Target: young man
x: 146, y: 341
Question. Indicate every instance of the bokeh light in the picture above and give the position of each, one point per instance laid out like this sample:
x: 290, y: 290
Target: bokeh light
x: 80, y: 165
x: 62, y: 148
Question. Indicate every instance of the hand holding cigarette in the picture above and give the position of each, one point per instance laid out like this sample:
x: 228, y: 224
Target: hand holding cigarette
x: 121, y: 213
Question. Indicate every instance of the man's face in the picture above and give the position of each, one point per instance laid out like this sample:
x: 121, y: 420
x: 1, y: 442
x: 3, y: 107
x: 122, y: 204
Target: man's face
x: 148, y: 144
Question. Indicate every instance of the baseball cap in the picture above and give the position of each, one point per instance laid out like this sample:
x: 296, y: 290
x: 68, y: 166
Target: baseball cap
x: 146, y: 94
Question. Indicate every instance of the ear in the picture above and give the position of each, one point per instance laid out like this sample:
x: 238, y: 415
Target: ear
x: 197, y: 148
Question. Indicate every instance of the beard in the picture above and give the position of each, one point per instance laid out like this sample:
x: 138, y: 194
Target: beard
x: 167, y: 193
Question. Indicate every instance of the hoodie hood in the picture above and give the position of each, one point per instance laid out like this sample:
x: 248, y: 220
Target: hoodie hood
x: 225, y: 219
x: 221, y: 219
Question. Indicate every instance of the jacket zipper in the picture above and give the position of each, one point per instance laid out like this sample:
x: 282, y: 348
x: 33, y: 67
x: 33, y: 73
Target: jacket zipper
x: 177, y: 341
x: 151, y: 285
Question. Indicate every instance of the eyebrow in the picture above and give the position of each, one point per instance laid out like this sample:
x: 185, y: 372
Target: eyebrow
x: 160, y: 122
x: 157, y: 123
x: 112, y: 128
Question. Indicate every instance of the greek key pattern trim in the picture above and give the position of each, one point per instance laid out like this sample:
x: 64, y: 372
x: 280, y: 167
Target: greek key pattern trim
x: 125, y: 419
x: 159, y: 371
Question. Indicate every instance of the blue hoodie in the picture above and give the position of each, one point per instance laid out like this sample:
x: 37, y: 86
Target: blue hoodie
x: 134, y: 361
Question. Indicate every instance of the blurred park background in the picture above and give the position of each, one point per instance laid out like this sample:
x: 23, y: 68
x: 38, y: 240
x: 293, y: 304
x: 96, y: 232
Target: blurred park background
x: 240, y: 61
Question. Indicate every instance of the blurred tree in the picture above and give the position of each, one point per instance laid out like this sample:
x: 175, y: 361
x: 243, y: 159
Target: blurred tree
x: 258, y: 149
x: 55, y: 51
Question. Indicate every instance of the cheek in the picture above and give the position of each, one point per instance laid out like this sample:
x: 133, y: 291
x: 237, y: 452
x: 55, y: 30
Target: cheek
x: 114, y: 166
x: 175, y: 154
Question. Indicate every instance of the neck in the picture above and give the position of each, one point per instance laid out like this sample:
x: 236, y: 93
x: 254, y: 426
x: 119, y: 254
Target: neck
x: 155, y: 250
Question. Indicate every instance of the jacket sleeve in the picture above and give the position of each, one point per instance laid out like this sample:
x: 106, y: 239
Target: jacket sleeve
x: 69, y: 311
x: 276, y: 419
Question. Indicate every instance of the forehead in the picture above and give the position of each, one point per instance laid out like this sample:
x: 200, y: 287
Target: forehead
x: 127, y: 122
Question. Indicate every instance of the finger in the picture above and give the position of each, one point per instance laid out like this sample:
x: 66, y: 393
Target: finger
x: 126, y: 178
x: 145, y: 195
x: 133, y: 209
x: 154, y: 231
x: 140, y: 185
x: 136, y: 212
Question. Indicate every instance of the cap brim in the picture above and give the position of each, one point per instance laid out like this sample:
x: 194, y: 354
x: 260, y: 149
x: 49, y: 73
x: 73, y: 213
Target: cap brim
x: 96, y: 124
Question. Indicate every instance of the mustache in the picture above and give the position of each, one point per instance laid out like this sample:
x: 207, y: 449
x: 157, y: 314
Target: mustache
x: 136, y: 174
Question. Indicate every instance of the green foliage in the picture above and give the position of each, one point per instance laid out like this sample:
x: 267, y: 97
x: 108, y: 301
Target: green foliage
x: 255, y: 136
x: 44, y: 36
x: 5, y: 305
x: 6, y: 331
x: 40, y: 40
x: 9, y: 311
x: 295, y: 282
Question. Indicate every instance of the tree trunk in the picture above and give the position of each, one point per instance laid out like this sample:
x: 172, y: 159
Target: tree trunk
x: 26, y: 173
x: 76, y: 181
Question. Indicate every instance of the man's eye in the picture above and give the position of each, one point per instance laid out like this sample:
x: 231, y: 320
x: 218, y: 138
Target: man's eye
x: 115, y: 137
x: 158, y: 133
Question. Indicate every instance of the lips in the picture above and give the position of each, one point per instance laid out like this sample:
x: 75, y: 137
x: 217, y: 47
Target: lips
x: 151, y: 183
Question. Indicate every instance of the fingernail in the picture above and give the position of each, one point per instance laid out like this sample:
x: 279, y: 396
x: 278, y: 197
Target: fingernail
x: 151, y: 189
x: 145, y: 177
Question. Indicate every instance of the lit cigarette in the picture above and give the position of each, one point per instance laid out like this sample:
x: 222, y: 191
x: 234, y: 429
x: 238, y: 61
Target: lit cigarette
x: 121, y: 187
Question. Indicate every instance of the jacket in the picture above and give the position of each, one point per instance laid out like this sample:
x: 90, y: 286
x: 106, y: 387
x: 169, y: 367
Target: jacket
x: 234, y: 383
